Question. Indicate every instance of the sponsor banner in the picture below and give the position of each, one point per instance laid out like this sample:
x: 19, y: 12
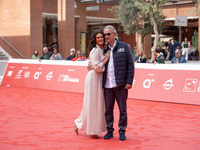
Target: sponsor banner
x: 180, y: 86
x: 151, y: 82
x: 50, y: 77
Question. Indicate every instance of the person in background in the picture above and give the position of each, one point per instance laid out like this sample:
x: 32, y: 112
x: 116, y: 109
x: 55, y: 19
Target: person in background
x: 163, y: 50
x: 166, y: 43
x: 141, y: 58
x: 167, y: 50
x: 193, y: 54
x: 176, y: 46
x: 46, y: 54
x: 178, y: 57
x: 35, y: 54
x: 79, y: 56
x: 72, y: 54
x: 170, y: 49
x: 56, y: 55
x: 158, y: 57
x: 54, y: 44
x: 185, y: 48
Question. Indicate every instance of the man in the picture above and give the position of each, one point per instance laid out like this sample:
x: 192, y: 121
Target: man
x: 117, y: 79
x: 178, y: 57
x: 72, y: 54
x: 54, y: 44
x: 176, y: 46
x: 170, y: 48
x: 158, y: 57
x: 46, y: 54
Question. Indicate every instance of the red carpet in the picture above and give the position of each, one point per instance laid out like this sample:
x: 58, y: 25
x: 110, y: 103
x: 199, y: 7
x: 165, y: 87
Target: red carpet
x: 32, y: 119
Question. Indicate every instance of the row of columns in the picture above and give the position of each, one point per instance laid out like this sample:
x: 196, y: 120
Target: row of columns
x: 66, y: 25
x: 69, y: 26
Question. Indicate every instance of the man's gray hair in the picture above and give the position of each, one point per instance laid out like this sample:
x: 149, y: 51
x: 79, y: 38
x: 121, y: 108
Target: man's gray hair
x: 110, y: 27
x: 45, y: 48
x: 72, y: 49
x: 179, y: 50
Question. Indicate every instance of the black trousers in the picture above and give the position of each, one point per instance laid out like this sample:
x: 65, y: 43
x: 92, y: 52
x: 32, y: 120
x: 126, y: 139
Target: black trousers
x: 120, y: 94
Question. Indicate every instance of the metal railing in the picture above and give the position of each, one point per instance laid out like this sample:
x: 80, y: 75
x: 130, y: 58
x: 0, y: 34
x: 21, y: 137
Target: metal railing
x: 13, y: 47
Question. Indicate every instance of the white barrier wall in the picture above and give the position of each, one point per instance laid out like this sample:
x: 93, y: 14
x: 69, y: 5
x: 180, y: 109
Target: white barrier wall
x: 179, y: 83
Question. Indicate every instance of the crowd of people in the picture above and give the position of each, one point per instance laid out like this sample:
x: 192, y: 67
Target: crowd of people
x: 172, y: 51
x: 52, y: 53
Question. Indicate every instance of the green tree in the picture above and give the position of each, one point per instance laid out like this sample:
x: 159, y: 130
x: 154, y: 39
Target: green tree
x: 142, y: 16
x: 195, y: 40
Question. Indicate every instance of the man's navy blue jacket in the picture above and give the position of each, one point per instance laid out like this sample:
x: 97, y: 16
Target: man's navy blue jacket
x: 123, y: 65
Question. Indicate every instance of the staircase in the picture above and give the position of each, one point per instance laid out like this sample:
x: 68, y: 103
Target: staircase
x: 3, y: 56
x: 3, y: 65
x: 6, y: 48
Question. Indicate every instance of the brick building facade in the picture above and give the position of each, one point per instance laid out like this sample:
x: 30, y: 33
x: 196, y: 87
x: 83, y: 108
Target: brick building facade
x: 31, y: 24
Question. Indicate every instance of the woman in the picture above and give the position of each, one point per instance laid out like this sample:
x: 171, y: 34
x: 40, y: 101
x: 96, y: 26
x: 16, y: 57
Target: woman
x: 56, y: 55
x: 185, y: 48
x: 35, y: 54
x: 141, y: 58
x: 79, y: 56
x: 92, y: 119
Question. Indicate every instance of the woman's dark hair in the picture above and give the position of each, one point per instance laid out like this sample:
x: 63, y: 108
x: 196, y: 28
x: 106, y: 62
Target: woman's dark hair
x: 56, y: 49
x: 93, y: 39
x: 34, y: 52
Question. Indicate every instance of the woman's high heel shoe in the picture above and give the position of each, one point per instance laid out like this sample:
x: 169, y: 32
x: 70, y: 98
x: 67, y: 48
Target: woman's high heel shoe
x: 95, y: 136
x: 76, y: 129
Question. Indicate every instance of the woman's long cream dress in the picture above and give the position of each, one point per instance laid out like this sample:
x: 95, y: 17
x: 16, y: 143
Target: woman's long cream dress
x: 92, y: 117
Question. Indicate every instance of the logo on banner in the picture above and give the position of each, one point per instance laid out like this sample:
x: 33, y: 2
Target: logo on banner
x: 190, y: 85
x: 19, y: 72
x: 19, y: 75
x: 37, y: 75
x: 66, y: 78
x: 147, y: 83
x: 168, y: 84
x: 49, y: 75
x: 61, y: 77
x: 9, y: 74
x: 27, y: 74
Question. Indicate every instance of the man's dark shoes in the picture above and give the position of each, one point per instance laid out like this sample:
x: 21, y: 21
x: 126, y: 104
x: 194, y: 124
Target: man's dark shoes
x: 109, y: 135
x: 122, y: 136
